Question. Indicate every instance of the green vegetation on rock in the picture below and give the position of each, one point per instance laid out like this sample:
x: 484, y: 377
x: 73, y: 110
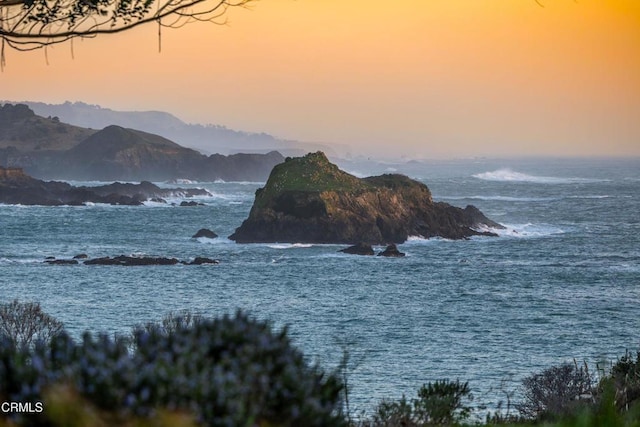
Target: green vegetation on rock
x: 309, y: 199
x: 311, y: 173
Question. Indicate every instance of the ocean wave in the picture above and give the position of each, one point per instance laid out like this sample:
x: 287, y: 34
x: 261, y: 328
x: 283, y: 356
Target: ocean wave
x: 290, y: 245
x: 4, y: 260
x: 216, y: 241
x: 511, y: 230
x: 508, y: 175
x: 495, y: 198
x: 525, y: 230
x: 419, y: 240
x: 221, y: 181
x: 503, y: 198
x: 181, y: 181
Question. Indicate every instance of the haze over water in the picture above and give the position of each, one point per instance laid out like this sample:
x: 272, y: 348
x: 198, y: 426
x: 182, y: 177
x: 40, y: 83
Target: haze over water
x: 420, y: 79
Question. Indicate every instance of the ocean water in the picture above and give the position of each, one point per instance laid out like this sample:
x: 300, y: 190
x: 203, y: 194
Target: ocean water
x: 561, y: 282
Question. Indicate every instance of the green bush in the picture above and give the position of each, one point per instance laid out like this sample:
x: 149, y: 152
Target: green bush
x: 229, y: 371
x: 438, y: 404
x: 625, y: 375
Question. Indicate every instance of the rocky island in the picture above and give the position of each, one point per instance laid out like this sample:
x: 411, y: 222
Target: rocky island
x: 310, y: 200
x: 16, y: 187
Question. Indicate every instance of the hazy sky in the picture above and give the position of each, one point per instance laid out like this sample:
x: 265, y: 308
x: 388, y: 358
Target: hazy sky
x: 420, y: 78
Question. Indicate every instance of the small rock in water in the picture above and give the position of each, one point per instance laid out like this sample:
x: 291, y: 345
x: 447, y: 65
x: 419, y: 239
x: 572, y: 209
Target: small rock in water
x: 202, y: 260
x: 191, y: 203
x: 391, y: 251
x: 358, y: 249
x: 204, y: 232
x: 61, y: 261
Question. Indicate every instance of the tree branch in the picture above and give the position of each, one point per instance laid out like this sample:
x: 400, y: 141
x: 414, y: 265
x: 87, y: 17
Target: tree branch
x: 39, y: 23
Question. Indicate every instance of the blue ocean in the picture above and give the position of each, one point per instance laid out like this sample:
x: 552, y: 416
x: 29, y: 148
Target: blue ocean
x: 561, y: 282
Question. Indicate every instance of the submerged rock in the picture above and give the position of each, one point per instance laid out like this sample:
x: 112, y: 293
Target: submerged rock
x: 129, y: 261
x: 310, y: 200
x: 191, y: 203
x: 61, y: 261
x: 125, y: 260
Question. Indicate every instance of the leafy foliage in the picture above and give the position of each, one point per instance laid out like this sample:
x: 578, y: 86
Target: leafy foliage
x: 229, y: 371
x: 440, y: 403
x: 625, y: 375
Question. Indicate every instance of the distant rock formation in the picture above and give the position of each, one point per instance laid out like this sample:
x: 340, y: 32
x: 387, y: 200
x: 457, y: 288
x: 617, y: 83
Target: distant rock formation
x: 48, y: 148
x: 16, y: 187
x: 132, y: 261
x: 392, y: 251
x: 310, y: 200
x: 125, y: 260
x: 204, y: 232
x: 358, y: 249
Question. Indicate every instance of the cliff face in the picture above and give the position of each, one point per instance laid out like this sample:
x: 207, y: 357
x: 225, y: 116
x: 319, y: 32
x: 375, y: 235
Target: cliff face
x: 12, y: 174
x: 309, y: 199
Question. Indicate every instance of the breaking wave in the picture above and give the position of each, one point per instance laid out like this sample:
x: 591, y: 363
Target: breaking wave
x: 290, y: 245
x: 508, y: 175
x: 526, y: 230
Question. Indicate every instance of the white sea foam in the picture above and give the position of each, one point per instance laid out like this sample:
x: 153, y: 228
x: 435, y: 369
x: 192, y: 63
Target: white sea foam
x: 508, y: 175
x: 216, y: 241
x: 181, y: 181
x: 503, y: 198
x: 419, y: 240
x: 496, y: 198
x: 290, y: 245
x: 525, y: 230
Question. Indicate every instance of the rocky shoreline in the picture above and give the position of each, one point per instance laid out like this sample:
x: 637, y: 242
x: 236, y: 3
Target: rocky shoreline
x: 16, y: 187
x: 129, y: 261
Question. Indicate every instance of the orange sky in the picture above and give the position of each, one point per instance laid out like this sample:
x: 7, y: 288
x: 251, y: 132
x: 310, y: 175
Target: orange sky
x: 420, y: 78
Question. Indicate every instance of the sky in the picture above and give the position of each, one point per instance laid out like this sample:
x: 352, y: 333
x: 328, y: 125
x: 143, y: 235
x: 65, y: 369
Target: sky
x: 408, y: 78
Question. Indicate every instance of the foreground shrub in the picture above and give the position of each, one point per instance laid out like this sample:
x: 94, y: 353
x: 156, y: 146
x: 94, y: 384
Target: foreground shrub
x: 557, y: 392
x: 230, y: 371
x: 438, y: 404
x: 625, y: 375
x: 25, y: 323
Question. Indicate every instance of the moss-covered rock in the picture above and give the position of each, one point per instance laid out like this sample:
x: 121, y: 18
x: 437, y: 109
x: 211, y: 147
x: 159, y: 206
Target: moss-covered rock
x: 309, y: 199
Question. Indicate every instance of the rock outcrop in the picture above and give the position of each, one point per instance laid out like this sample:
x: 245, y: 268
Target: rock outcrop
x: 392, y: 252
x: 132, y: 261
x: 204, y: 232
x: 16, y: 187
x: 358, y: 249
x: 310, y: 200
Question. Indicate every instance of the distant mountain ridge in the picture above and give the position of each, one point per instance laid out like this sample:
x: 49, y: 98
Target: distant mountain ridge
x: 205, y: 138
x: 47, y: 148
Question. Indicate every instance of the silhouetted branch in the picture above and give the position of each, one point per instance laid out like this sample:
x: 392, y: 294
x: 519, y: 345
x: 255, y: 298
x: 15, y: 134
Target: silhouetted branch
x: 33, y: 24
